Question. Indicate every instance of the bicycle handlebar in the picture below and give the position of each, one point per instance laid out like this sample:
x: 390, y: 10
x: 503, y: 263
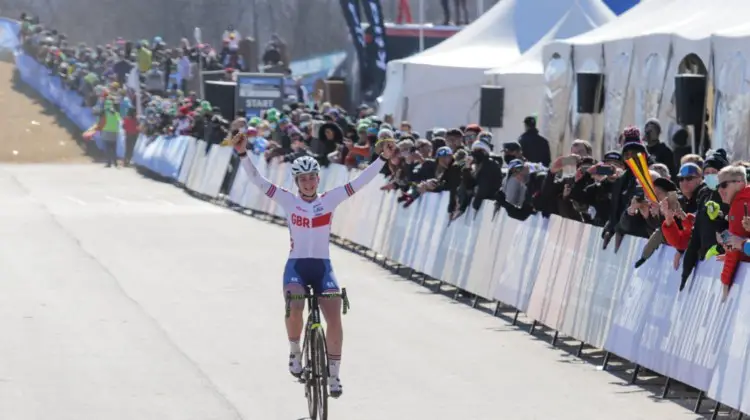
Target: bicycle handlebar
x: 345, y: 299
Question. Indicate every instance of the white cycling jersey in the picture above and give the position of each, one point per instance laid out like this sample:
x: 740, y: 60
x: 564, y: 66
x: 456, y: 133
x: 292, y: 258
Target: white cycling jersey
x: 310, y: 222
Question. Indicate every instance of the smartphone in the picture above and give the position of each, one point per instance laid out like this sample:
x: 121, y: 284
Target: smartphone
x: 639, y: 194
x: 725, y: 236
x: 604, y: 170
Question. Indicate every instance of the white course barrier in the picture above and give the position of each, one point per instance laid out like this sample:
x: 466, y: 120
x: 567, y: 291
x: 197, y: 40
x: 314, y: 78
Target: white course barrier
x: 554, y: 270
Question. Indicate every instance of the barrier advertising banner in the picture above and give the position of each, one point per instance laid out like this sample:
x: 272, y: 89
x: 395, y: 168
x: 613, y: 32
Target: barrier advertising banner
x: 553, y: 269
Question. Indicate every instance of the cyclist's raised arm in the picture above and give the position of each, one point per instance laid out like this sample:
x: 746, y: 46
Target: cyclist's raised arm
x: 337, y: 195
x: 273, y: 192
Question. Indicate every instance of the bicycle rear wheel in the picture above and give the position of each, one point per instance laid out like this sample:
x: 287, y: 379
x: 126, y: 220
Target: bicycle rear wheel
x: 320, y: 373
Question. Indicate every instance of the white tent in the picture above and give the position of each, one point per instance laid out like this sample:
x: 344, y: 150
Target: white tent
x: 731, y: 53
x: 440, y: 86
x: 640, y: 54
x: 589, y: 51
x: 523, y: 80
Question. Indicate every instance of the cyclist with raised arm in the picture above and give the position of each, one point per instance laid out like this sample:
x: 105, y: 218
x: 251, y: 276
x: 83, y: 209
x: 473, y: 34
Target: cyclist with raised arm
x: 309, y: 217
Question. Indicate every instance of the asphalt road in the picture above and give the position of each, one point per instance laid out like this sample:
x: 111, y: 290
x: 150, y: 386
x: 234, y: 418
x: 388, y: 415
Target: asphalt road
x: 124, y: 298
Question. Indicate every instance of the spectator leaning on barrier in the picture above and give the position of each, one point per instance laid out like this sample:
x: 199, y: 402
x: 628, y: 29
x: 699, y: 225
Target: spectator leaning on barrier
x: 594, y: 188
x: 734, y: 191
x: 564, y: 172
x: 624, y: 188
x: 482, y: 176
x: 709, y: 216
x: 520, y: 189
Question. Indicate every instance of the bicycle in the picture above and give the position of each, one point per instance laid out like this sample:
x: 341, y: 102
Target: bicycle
x: 315, y: 355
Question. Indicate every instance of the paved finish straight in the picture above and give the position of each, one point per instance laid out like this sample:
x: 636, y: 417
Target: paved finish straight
x: 124, y: 298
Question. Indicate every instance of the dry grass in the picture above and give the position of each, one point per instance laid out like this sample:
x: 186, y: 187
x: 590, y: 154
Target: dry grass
x: 33, y: 131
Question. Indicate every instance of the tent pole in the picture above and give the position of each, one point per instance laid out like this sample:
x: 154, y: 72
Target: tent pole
x: 421, y: 25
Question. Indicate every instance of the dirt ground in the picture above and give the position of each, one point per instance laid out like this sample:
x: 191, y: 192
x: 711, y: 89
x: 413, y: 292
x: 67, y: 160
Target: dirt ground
x: 34, y: 131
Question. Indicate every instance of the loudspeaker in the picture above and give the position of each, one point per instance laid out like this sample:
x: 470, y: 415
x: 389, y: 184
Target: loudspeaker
x: 222, y: 94
x: 690, y: 98
x: 491, y: 106
x: 590, y: 93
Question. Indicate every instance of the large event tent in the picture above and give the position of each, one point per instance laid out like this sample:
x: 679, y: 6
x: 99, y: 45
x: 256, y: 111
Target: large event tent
x: 440, y: 86
x: 731, y: 53
x: 640, y: 54
x: 523, y: 80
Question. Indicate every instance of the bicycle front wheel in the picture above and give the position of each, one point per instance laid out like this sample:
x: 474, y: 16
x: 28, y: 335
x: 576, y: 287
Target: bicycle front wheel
x: 320, y: 372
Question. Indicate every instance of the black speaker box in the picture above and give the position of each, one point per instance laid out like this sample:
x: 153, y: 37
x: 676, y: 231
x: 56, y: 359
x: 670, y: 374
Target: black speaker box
x: 590, y: 93
x: 491, y: 106
x: 222, y: 94
x: 690, y: 98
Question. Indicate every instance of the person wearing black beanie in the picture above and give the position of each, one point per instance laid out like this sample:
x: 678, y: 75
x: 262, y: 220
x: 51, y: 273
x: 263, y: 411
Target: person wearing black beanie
x: 709, y: 217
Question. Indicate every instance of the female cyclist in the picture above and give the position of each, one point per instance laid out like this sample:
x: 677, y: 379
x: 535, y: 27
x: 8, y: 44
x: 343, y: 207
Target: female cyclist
x: 309, y: 217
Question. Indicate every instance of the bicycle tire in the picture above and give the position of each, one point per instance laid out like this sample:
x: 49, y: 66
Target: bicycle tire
x: 308, y: 373
x: 320, y: 370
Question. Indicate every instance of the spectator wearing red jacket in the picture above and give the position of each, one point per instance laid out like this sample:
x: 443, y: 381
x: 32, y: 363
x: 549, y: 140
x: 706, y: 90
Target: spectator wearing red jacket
x: 677, y: 235
x: 735, y: 192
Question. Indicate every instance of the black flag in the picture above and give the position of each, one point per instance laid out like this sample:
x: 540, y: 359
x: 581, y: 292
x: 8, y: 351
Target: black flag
x: 377, y: 68
x: 352, y: 16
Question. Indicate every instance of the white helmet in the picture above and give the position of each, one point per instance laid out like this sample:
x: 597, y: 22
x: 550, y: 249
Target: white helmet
x: 305, y: 165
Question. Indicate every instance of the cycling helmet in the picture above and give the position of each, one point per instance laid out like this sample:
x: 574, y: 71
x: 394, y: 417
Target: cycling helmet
x: 305, y: 165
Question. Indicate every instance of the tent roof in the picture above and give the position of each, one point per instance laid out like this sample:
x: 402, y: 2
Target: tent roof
x: 639, y: 19
x: 509, y: 29
x: 575, y: 21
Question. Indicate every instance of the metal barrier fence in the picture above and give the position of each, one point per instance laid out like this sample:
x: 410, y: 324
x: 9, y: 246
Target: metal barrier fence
x: 554, y: 270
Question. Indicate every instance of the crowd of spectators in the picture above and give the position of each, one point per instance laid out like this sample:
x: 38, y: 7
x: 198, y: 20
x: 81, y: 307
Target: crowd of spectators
x: 700, y: 205
x: 104, y: 77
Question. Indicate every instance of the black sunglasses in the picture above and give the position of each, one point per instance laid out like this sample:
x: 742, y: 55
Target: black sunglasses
x: 725, y: 184
x: 686, y: 178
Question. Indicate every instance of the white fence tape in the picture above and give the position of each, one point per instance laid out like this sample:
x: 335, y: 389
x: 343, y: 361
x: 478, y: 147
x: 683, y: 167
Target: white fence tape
x: 554, y: 269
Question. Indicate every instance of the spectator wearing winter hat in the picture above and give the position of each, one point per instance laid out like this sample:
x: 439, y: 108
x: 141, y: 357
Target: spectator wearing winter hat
x: 535, y: 147
x: 658, y: 150
x: 326, y: 141
x: 624, y: 188
x: 709, y: 216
